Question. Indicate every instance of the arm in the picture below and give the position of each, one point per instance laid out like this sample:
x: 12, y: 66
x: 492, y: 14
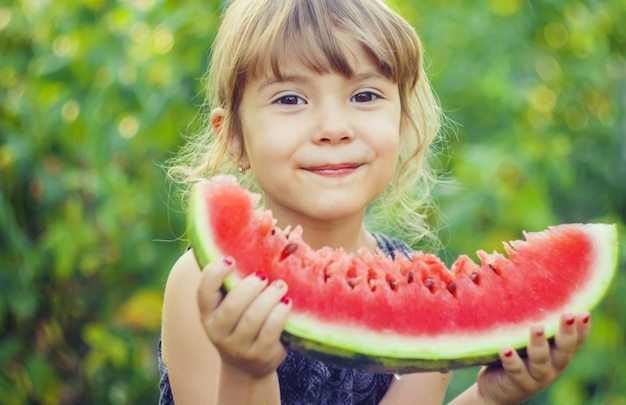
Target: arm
x: 210, y: 345
x: 422, y: 388
x: 192, y: 361
x: 519, y: 379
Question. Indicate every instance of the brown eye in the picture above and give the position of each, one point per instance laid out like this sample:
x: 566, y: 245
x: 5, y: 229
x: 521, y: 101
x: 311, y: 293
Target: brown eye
x: 364, y: 97
x: 290, y: 100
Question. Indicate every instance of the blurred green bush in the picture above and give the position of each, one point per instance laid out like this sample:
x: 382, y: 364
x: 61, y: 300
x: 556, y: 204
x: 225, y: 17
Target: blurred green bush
x: 95, y: 95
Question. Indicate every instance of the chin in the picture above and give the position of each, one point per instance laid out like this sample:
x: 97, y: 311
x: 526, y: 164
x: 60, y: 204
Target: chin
x: 338, y: 212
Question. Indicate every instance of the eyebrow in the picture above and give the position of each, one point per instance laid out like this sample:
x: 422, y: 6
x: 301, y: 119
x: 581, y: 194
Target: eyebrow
x: 284, y: 78
x: 299, y: 78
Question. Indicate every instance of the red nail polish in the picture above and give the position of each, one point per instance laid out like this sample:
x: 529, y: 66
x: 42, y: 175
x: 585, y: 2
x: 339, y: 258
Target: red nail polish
x: 260, y: 275
x: 570, y: 321
x: 228, y: 261
x: 285, y: 300
x: 586, y: 319
x: 508, y: 354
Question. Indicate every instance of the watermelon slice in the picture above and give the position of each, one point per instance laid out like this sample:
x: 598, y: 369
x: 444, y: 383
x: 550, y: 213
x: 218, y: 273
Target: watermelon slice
x: 366, y: 310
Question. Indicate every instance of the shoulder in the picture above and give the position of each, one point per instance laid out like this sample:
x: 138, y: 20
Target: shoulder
x: 185, y: 267
x: 390, y: 246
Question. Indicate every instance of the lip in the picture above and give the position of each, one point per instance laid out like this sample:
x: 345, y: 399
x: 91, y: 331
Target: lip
x: 334, y: 170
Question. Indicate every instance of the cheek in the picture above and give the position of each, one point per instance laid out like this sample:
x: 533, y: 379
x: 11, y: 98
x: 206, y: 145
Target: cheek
x: 387, y: 136
x: 264, y: 148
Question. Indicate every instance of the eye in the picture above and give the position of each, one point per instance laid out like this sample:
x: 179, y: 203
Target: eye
x: 289, y: 99
x: 364, y: 97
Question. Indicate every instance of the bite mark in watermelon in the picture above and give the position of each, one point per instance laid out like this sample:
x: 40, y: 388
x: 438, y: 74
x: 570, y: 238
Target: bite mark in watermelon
x: 402, y: 315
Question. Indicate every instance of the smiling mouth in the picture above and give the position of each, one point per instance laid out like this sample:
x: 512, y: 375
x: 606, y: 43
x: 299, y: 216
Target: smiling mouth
x: 334, y: 170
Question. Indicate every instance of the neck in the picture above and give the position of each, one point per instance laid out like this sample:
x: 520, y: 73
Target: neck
x: 349, y: 234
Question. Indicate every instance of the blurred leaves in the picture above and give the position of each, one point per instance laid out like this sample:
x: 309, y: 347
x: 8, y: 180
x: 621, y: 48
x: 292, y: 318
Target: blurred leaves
x: 94, y: 97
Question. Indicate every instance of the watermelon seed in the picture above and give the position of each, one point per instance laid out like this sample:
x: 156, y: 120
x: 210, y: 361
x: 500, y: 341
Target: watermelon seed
x: 410, y: 277
x: 273, y: 231
x: 452, y: 288
x: 494, y: 269
x: 351, y: 283
x: 372, y: 284
x: 326, y: 275
x: 430, y: 284
x: 393, y: 284
x: 475, y: 277
x: 289, y: 249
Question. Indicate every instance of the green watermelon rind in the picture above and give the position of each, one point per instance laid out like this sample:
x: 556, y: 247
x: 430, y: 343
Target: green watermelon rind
x: 382, y: 352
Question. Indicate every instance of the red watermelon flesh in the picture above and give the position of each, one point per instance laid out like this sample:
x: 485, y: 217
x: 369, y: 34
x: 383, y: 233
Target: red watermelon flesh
x: 401, y: 315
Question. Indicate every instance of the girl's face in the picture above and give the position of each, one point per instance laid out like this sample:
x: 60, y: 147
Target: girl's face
x: 321, y: 146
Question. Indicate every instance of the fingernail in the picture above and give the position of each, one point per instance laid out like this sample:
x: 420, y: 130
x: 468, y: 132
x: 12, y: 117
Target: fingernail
x: 260, y: 275
x: 285, y: 300
x: 570, y: 321
x: 228, y: 261
x: 279, y: 284
x: 508, y: 354
x: 539, y: 333
x: 586, y: 319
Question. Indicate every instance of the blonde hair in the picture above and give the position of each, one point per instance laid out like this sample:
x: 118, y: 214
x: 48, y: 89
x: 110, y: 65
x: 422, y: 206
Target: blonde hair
x: 255, y: 35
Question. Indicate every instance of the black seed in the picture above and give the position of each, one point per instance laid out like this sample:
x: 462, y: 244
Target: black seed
x: 475, y: 277
x: 452, y: 288
x: 429, y: 283
x: 393, y: 284
x: 273, y: 231
x: 289, y: 249
x: 351, y: 283
x: 494, y: 269
x: 410, y: 277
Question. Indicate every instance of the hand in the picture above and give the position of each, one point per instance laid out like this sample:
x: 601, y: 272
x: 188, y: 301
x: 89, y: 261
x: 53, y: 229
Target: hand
x: 245, y: 325
x: 519, y: 379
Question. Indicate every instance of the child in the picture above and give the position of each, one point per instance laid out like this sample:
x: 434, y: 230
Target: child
x: 324, y: 105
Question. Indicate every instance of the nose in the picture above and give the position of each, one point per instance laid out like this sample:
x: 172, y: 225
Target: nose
x: 333, y: 124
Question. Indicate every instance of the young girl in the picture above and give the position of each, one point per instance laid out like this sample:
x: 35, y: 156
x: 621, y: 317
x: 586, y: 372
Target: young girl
x: 324, y: 106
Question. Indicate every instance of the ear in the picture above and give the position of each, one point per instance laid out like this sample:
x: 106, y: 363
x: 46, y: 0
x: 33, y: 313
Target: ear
x: 235, y: 148
x: 217, y: 116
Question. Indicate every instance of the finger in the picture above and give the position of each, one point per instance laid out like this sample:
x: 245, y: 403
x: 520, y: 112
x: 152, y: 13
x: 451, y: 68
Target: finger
x: 583, y: 327
x: 514, y: 366
x: 252, y: 320
x: 539, y: 360
x: 268, y: 339
x: 235, y: 303
x: 209, y: 294
x: 276, y: 320
x: 565, y: 341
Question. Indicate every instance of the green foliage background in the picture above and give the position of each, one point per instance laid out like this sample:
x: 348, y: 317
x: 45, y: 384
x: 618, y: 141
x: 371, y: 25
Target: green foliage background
x: 96, y: 94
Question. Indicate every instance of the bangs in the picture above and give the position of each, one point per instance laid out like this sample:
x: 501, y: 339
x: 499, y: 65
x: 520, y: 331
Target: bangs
x: 307, y: 33
x: 318, y: 51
